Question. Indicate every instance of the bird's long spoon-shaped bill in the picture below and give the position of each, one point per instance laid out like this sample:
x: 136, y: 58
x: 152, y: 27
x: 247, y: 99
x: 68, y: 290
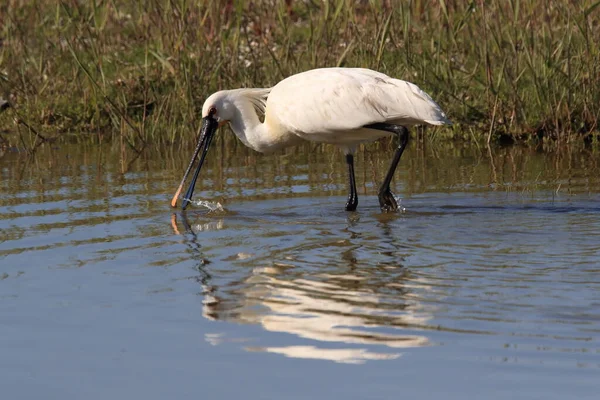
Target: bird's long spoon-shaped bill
x: 209, y: 126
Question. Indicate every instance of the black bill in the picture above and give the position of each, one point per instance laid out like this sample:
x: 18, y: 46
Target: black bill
x: 209, y: 127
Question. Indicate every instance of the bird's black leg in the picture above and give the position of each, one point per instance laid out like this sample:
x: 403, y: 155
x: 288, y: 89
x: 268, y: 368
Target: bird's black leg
x: 386, y: 197
x: 352, y: 202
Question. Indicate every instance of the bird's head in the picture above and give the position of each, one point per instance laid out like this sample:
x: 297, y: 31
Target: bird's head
x: 219, y: 106
x: 219, y: 109
x: 216, y: 111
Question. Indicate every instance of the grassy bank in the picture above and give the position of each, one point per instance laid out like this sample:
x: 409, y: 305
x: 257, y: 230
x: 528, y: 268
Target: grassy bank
x: 139, y: 71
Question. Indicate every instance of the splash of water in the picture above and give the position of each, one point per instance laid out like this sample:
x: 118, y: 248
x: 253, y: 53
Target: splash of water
x: 399, y: 202
x: 212, y: 206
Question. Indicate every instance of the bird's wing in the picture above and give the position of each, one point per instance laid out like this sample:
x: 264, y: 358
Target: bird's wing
x: 341, y: 99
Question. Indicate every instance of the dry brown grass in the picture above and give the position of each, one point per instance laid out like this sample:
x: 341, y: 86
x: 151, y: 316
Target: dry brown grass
x: 140, y: 71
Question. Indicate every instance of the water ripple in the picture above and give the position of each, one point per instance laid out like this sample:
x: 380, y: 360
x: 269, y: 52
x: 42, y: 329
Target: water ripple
x: 508, y: 269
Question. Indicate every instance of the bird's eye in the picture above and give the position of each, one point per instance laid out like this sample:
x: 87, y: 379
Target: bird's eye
x: 212, y: 111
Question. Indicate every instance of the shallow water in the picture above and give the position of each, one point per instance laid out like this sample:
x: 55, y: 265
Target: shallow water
x: 486, y: 286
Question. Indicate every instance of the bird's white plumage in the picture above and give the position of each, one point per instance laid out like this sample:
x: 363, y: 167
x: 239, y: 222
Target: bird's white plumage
x: 332, y: 100
x: 330, y: 105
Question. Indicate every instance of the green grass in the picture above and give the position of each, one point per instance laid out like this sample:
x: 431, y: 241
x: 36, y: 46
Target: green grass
x: 139, y: 72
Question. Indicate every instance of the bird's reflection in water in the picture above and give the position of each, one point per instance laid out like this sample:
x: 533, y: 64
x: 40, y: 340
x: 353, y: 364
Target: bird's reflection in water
x: 340, y: 301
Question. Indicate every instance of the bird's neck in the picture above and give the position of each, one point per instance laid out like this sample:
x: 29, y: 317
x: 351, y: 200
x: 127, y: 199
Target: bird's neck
x: 263, y: 137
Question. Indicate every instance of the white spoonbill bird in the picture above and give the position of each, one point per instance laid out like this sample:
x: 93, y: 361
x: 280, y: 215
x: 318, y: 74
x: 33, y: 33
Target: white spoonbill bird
x: 341, y: 106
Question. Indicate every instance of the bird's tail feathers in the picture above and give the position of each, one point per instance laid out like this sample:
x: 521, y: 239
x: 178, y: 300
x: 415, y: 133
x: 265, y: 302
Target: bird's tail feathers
x: 414, y: 105
x: 436, y: 115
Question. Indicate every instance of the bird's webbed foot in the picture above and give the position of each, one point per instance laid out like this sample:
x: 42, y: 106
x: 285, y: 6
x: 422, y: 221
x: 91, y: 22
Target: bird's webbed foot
x: 387, y: 201
x: 352, y: 202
